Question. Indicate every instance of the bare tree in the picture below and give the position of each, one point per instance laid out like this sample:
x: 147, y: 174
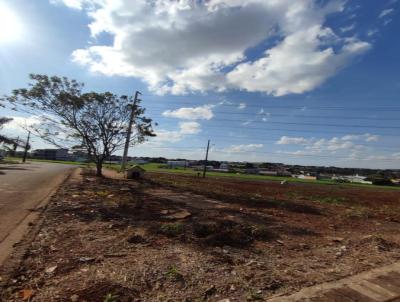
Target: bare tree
x: 96, y: 122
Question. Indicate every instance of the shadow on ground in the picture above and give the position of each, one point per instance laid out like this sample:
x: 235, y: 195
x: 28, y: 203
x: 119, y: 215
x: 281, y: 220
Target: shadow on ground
x: 189, y: 218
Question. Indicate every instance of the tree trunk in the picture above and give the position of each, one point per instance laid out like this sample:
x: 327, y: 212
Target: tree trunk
x: 99, y: 168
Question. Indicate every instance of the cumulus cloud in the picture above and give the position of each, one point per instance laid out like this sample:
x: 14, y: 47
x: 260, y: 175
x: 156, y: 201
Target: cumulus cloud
x: 286, y: 140
x: 168, y: 136
x: 297, y: 64
x: 366, y: 137
x: 186, y: 46
x: 191, y: 113
x: 190, y: 127
x: 242, y: 148
x: 347, y: 143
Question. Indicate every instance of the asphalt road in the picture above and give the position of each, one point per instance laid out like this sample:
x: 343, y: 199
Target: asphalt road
x: 23, y: 187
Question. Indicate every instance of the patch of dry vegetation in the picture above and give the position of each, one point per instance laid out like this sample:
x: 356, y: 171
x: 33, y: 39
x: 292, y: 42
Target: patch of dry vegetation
x: 156, y: 240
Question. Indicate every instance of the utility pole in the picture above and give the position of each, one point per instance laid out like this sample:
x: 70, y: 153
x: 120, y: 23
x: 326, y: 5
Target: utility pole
x: 128, y: 134
x: 205, y: 162
x: 26, y: 147
x: 15, y: 146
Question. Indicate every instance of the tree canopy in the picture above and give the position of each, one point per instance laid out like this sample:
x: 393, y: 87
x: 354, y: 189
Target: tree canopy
x: 3, y: 138
x: 69, y: 117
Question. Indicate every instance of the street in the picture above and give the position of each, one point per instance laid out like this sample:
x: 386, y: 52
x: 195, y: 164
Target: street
x: 22, y: 189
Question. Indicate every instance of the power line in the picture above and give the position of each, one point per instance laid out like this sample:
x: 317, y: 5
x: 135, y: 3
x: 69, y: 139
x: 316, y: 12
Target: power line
x: 201, y: 148
x: 302, y: 107
x: 229, y: 100
x: 315, y: 124
x: 298, y: 130
x: 261, y: 140
x: 269, y: 115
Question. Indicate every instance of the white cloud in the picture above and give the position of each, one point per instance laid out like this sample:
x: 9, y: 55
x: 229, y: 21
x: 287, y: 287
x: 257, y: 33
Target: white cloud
x: 248, y: 122
x: 345, y: 29
x: 297, y: 64
x: 172, y: 136
x: 347, y: 143
x: 242, y: 106
x: 242, y: 148
x: 191, y: 113
x: 386, y: 12
x: 189, y: 127
x: 167, y: 136
x: 264, y: 115
x: 366, y: 137
x: 286, y: 140
x: 372, y: 32
x: 387, y: 21
x: 183, y: 46
x: 20, y: 124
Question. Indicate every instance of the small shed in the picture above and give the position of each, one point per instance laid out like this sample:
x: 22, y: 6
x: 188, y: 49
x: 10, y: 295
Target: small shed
x: 134, y: 172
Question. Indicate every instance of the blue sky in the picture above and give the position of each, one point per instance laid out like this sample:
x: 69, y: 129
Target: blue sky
x: 301, y: 82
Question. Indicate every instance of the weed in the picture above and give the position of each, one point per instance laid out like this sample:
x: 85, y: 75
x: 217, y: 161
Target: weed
x: 329, y: 199
x: 102, y: 193
x: 254, y: 296
x: 110, y: 298
x: 174, y: 274
x: 172, y: 229
x: 358, y: 212
x: 293, y: 196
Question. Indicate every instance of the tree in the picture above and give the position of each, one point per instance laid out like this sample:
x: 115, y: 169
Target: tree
x: 94, y: 122
x: 5, y: 139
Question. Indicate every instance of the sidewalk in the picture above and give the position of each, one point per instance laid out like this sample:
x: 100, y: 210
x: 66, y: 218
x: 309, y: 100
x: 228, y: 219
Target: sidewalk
x: 378, y: 285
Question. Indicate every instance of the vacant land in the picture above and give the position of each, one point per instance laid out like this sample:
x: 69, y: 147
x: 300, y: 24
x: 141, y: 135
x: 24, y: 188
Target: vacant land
x: 175, y: 237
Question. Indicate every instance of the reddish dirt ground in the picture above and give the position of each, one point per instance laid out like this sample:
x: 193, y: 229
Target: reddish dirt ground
x: 181, y: 238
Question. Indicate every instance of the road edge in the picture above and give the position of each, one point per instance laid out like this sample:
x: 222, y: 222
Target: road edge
x: 19, y: 240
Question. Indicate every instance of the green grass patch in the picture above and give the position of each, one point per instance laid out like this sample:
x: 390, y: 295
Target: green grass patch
x: 157, y: 167
x: 172, y: 229
x: 329, y: 199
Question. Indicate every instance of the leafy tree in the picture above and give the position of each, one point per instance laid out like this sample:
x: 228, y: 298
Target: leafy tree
x: 94, y: 122
x: 5, y: 139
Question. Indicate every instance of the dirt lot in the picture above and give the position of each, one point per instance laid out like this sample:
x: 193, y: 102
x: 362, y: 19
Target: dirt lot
x: 182, y: 238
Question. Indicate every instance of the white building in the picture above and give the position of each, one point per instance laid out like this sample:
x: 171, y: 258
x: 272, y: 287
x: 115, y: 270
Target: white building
x: 177, y: 164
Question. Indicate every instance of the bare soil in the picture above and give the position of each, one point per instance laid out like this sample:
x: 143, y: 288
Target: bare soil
x: 182, y: 238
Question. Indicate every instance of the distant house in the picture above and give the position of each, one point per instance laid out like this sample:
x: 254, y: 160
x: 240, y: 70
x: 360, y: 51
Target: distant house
x: 219, y: 170
x: 172, y: 164
x: 268, y: 173
x: 51, y: 154
x: 283, y: 173
x: 224, y: 166
x: 252, y: 171
x: 324, y: 176
x: 79, y: 156
x: 353, y: 179
x: 359, y: 179
x: 306, y: 177
x: 396, y: 181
